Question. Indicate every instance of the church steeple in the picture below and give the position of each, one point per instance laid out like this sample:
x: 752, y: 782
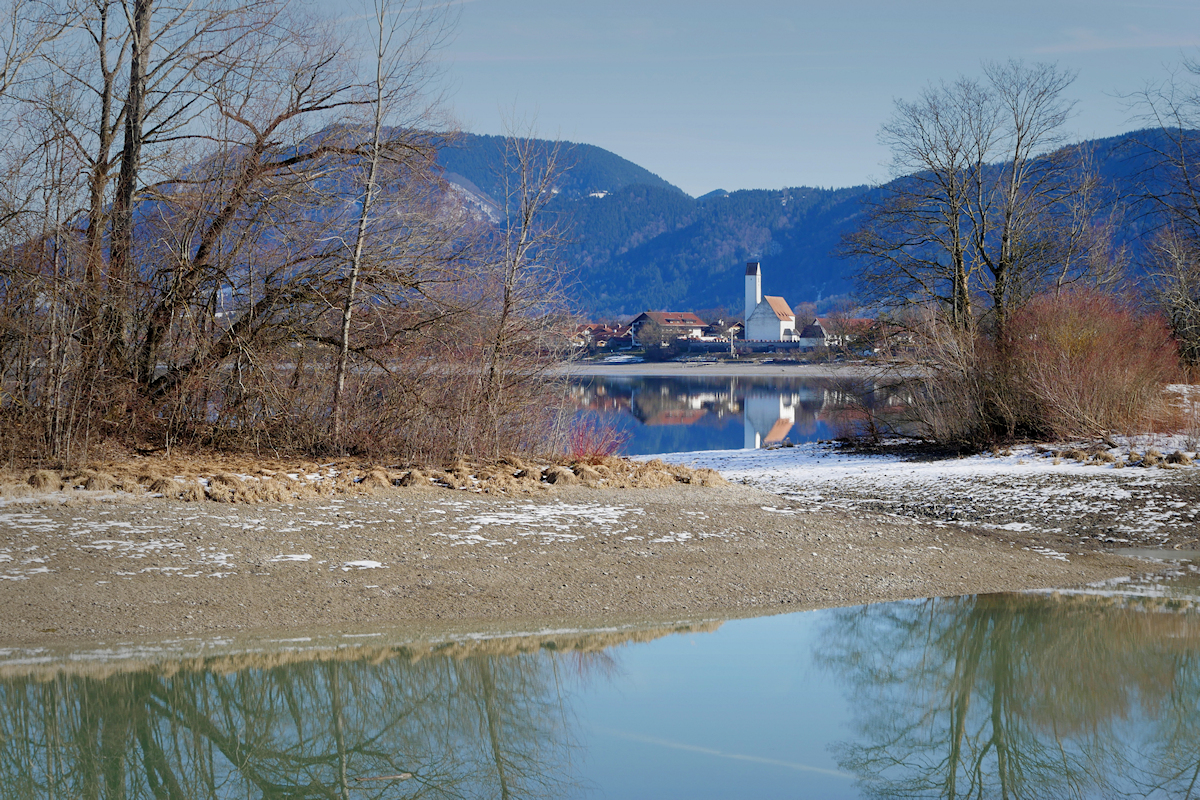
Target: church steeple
x: 753, y: 287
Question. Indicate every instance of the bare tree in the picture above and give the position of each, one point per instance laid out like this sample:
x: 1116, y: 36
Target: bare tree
x: 526, y: 327
x: 1176, y: 275
x: 916, y: 241
x: 404, y: 36
x: 987, y: 204
x: 1171, y: 201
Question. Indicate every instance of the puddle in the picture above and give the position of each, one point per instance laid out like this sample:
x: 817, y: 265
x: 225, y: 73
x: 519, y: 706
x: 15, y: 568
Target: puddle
x: 1160, y: 554
x: 1093, y: 694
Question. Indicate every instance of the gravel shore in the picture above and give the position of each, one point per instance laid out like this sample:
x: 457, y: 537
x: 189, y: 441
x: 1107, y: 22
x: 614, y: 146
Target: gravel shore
x: 151, y: 567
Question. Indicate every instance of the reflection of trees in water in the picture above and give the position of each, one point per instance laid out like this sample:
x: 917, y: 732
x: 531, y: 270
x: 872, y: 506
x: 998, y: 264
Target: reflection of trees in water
x: 1016, y: 697
x: 481, y: 726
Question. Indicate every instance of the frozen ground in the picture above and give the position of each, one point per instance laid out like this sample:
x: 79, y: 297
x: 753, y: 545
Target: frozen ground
x: 139, y: 538
x: 1025, y: 490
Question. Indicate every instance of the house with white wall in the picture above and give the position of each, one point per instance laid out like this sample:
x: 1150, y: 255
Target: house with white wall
x: 768, y: 319
x: 675, y: 324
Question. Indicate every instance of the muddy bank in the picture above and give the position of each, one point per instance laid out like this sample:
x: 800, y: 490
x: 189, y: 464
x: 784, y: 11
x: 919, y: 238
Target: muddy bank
x: 436, y: 556
x: 1042, y: 497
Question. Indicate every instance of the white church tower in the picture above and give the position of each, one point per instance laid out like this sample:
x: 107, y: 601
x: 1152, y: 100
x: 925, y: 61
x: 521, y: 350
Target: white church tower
x: 753, y: 288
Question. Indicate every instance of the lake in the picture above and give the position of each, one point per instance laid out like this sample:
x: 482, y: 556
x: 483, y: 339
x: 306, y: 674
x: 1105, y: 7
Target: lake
x: 678, y: 414
x: 989, y: 696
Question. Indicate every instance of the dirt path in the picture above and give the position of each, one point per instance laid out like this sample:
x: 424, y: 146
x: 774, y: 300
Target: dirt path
x: 154, y: 568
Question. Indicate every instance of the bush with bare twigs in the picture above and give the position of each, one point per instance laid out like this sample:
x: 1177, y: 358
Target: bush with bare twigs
x: 1079, y: 364
x: 1089, y: 365
x: 591, y: 440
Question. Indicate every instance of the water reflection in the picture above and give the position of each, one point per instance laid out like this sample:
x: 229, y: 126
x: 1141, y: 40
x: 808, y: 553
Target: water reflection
x: 1019, y: 697
x: 677, y: 414
x: 995, y: 696
x: 485, y: 722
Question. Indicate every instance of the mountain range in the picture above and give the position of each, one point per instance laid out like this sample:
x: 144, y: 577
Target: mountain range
x: 635, y: 242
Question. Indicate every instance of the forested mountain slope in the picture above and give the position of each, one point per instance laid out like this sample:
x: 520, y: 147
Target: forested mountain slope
x: 590, y: 169
x: 636, y: 242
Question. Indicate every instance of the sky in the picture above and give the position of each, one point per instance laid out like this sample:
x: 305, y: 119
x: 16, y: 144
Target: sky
x: 773, y: 93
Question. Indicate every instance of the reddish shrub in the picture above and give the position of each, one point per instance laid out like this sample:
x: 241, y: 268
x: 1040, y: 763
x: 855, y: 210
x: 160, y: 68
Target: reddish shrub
x: 1086, y: 364
x: 590, y: 439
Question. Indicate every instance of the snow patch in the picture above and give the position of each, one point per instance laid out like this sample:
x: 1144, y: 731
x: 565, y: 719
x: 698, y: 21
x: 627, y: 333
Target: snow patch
x: 363, y: 564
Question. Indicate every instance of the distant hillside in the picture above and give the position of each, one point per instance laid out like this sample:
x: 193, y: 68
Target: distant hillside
x: 641, y: 248
x: 638, y: 242
x: 480, y: 160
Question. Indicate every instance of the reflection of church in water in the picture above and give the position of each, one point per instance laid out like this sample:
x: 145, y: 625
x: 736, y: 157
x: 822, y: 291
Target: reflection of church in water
x: 770, y: 415
x: 770, y: 410
x: 768, y: 419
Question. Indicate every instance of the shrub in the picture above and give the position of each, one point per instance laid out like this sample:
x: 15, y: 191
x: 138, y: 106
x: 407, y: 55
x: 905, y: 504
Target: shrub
x: 1090, y: 365
x: 591, y: 440
x: 1077, y: 365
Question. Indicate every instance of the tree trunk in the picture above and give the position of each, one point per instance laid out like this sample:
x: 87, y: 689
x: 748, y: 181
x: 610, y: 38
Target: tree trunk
x: 360, y: 235
x: 122, y: 269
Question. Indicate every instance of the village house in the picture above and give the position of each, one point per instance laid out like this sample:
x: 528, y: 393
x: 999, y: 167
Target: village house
x: 829, y: 332
x: 596, y: 335
x: 674, y: 324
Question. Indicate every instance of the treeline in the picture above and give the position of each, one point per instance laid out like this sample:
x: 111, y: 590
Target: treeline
x: 223, y: 225
x: 648, y: 245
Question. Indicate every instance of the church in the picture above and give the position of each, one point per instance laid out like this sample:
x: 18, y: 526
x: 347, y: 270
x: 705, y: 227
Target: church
x: 768, y: 319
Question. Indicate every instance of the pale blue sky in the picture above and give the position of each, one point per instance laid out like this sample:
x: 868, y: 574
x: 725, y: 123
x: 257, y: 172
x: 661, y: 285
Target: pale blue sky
x: 773, y: 93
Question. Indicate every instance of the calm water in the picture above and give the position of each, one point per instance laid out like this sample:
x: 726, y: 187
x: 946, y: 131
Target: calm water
x: 991, y: 696
x: 681, y: 414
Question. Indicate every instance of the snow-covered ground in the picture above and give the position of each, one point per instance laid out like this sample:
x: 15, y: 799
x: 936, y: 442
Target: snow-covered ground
x: 1022, y: 490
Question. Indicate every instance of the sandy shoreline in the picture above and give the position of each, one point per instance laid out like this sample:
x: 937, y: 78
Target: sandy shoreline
x: 430, y: 557
x: 718, y: 369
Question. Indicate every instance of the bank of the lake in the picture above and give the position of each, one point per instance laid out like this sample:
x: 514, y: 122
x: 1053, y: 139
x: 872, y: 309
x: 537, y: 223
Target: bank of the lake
x: 572, y: 556
x: 746, y: 368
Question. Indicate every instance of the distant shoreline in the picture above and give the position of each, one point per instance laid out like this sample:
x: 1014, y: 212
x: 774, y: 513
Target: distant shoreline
x: 718, y: 369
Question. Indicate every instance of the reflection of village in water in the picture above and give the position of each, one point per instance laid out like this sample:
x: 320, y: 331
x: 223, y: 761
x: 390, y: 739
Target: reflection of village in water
x: 771, y: 411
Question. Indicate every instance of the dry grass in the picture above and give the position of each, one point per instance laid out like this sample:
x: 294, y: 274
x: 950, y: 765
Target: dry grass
x: 192, y: 493
x: 167, y: 487
x: 376, y: 480
x: 44, y: 480
x: 226, y: 488
x: 245, y: 480
x: 588, y: 475
x: 414, y: 477
x: 1179, y: 457
x: 94, y: 481
x: 559, y: 475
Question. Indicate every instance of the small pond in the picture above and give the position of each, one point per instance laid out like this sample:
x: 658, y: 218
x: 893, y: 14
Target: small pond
x: 988, y: 696
x: 684, y: 413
